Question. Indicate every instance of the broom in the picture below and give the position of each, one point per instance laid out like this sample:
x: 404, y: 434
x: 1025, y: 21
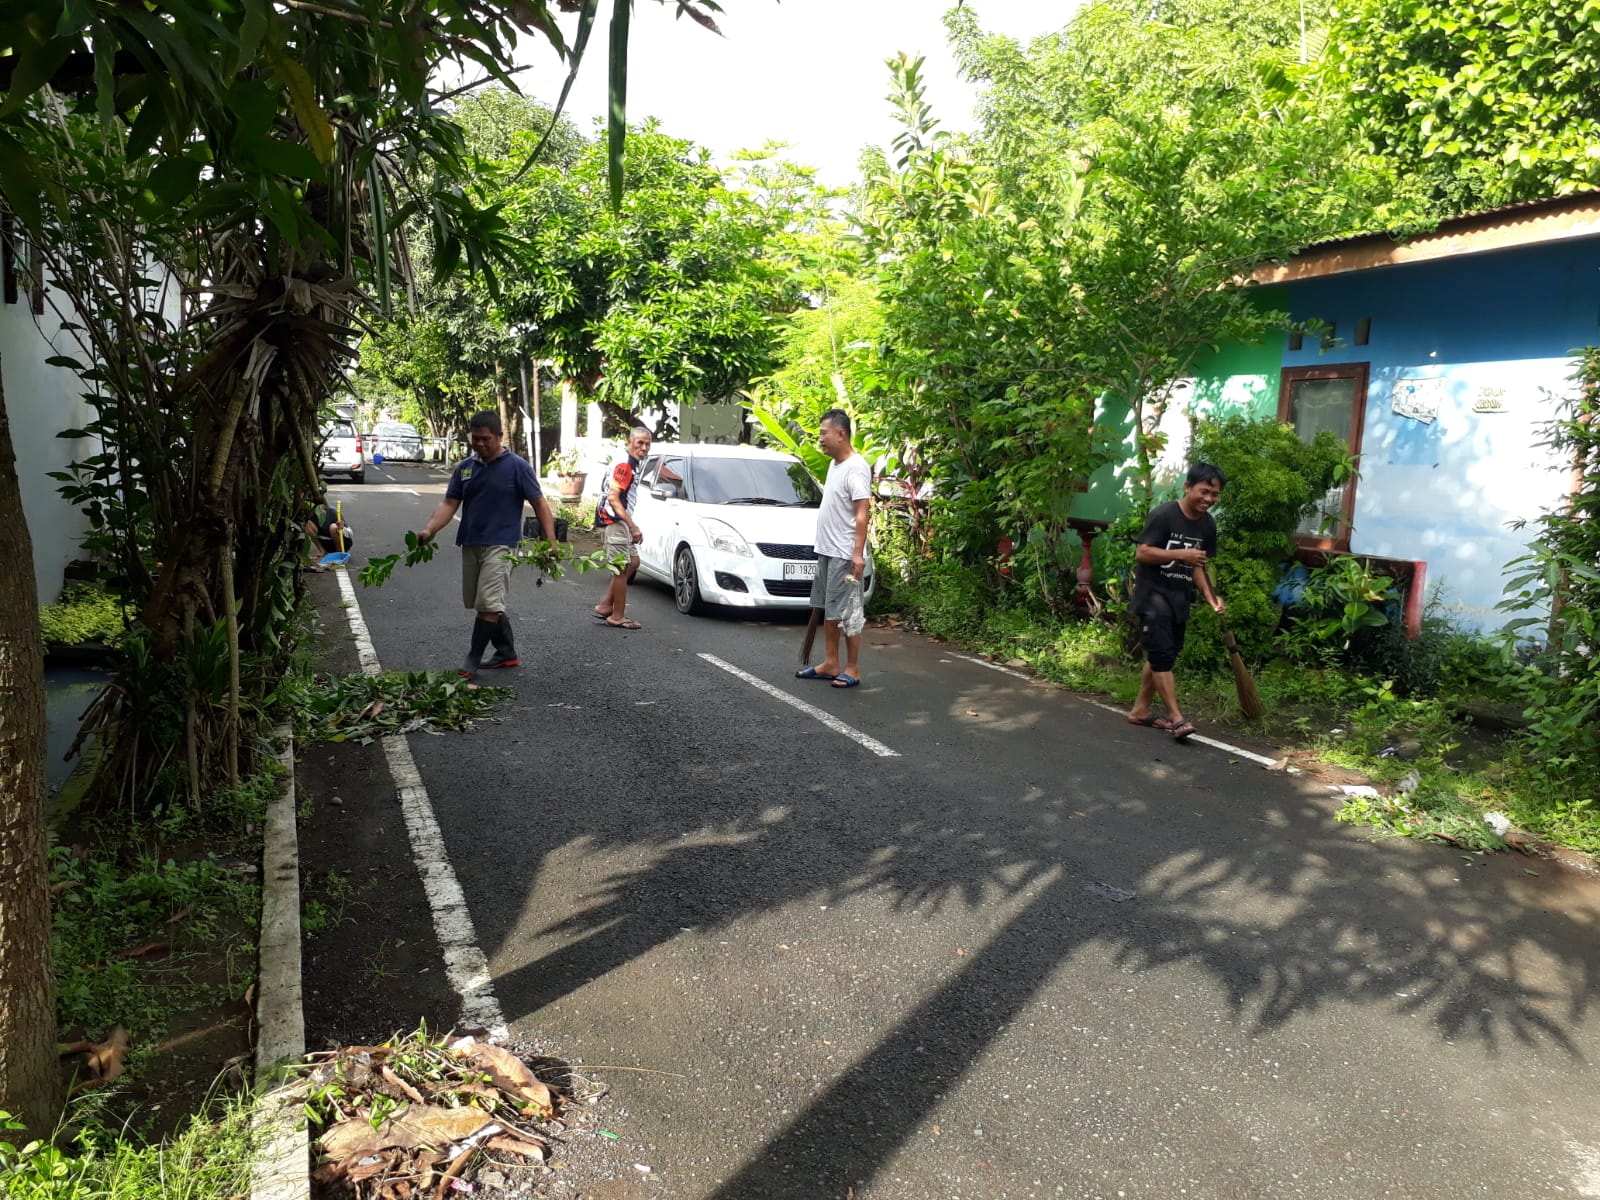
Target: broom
x: 339, y: 557
x: 812, y: 626
x: 1249, y: 702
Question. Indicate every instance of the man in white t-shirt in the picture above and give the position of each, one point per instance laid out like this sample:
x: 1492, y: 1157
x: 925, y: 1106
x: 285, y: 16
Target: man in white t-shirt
x: 841, y: 551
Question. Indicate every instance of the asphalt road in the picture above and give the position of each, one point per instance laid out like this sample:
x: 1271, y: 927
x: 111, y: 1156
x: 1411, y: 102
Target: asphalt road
x: 1036, y: 952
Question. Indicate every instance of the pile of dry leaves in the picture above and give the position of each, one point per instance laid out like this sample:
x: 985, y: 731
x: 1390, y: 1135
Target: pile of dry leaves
x: 418, y: 1116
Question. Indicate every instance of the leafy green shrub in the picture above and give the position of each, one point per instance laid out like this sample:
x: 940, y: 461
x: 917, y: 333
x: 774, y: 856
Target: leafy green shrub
x: 1112, y: 560
x: 1557, y: 589
x: 1441, y: 660
x: 949, y: 599
x: 84, y: 613
x: 1246, y: 584
x: 1342, y: 599
x: 1273, y: 479
x: 211, y: 1156
x: 892, y: 558
x: 578, y: 514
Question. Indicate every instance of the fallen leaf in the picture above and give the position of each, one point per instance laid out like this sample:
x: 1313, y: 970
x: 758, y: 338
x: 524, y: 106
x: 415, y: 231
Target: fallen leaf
x: 145, y: 950
x: 972, y: 712
x: 511, y: 1074
x: 410, y: 1127
x: 1529, y: 871
x: 103, y: 1060
x: 516, y: 1143
x: 400, y: 1085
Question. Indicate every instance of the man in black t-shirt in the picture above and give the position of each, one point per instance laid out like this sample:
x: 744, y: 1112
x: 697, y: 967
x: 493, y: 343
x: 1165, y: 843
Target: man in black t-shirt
x: 1178, y: 538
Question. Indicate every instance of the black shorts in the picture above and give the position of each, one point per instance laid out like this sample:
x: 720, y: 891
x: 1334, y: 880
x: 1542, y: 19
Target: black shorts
x: 1163, y: 621
x: 330, y: 541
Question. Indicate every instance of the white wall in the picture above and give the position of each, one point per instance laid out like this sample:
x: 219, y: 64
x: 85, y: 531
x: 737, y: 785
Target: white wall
x: 41, y: 401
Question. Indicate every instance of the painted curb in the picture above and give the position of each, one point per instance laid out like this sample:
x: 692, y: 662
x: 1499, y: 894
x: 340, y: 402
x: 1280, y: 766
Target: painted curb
x: 281, y: 1169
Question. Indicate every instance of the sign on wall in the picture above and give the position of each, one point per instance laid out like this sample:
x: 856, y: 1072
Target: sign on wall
x: 1418, y: 398
x: 1489, y: 400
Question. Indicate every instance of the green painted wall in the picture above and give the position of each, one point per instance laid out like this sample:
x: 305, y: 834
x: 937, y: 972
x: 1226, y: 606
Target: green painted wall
x: 1235, y: 378
x: 1240, y: 379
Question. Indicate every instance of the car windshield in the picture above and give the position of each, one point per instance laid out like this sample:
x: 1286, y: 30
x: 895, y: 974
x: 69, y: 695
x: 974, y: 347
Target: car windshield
x: 338, y: 429
x: 753, y: 481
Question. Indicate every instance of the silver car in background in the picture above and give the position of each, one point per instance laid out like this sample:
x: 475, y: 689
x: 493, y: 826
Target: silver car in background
x: 342, y: 452
x: 398, y: 441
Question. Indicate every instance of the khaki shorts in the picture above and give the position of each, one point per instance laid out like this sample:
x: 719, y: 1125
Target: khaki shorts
x: 617, y: 539
x: 485, y: 577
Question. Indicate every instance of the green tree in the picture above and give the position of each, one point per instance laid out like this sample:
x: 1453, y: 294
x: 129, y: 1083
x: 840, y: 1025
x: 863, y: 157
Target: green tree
x: 449, y: 353
x: 1487, y: 101
x: 974, y: 369
x: 1175, y: 147
x: 260, y: 159
x: 671, y: 297
x: 1555, y: 590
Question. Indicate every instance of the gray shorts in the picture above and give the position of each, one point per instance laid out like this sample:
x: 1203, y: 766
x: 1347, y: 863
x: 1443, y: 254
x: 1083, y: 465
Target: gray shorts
x: 485, y: 578
x: 618, y: 539
x: 829, y: 591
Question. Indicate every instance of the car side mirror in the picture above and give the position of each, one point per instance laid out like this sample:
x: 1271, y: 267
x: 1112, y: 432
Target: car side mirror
x: 661, y: 493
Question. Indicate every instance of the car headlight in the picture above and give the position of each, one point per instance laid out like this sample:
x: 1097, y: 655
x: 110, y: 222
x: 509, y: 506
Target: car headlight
x: 721, y: 536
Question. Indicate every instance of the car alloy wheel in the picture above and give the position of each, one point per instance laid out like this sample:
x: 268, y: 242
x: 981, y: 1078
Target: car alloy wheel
x: 686, y: 582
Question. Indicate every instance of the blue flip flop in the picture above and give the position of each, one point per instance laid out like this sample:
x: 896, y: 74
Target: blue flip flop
x: 845, y: 681
x: 812, y: 673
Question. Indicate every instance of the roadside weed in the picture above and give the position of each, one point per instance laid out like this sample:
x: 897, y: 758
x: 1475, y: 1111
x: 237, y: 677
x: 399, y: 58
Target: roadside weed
x: 211, y: 1157
x: 120, y: 935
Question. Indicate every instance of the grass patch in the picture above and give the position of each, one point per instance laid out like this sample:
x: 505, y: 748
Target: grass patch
x: 155, y: 920
x: 207, y: 1159
x: 127, y: 940
x: 84, y: 613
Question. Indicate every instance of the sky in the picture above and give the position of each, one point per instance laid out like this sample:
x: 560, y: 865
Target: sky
x: 807, y: 72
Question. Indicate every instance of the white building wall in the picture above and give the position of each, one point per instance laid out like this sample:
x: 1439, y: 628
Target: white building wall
x: 41, y: 401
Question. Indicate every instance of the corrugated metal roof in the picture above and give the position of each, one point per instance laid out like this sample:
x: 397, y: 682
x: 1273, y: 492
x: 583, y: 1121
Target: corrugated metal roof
x: 1521, y: 208
x: 1525, y: 223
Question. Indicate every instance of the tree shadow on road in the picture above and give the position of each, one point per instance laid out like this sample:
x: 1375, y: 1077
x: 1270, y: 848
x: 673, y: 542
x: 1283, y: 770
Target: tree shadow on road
x: 1193, y: 861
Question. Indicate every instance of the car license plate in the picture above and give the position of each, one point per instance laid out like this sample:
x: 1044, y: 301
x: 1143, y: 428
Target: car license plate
x: 800, y: 570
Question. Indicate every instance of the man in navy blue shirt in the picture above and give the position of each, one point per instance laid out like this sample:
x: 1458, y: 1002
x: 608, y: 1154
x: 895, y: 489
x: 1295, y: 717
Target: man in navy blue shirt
x: 489, y: 489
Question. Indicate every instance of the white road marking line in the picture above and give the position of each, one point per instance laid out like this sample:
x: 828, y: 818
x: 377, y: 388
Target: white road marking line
x: 365, y: 651
x: 827, y: 718
x: 464, y: 961
x: 1226, y: 747
x: 984, y: 662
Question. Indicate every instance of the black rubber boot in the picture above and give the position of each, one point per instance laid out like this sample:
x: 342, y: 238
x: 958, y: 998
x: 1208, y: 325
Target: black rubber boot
x: 505, y: 654
x: 482, y: 631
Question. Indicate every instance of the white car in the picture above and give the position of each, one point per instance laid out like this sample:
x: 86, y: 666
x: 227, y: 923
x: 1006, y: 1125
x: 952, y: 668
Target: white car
x: 730, y: 525
x: 341, y: 452
x: 398, y: 441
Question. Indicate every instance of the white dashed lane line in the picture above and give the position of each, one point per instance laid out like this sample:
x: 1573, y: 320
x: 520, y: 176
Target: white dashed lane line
x: 1225, y: 747
x: 827, y: 718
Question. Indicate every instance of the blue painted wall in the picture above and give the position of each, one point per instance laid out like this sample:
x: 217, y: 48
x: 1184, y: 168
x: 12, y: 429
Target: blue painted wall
x: 1500, y: 326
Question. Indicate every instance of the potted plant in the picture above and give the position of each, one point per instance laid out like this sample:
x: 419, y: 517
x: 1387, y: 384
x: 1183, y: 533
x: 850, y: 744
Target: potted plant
x: 565, y: 466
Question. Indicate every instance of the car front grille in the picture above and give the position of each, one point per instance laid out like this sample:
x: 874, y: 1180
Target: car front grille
x: 784, y: 550
x: 788, y: 587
